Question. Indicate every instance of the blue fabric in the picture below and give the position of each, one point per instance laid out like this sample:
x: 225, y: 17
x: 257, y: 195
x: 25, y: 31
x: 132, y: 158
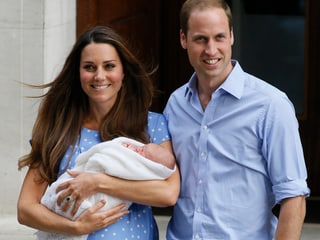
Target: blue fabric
x: 237, y: 159
x: 139, y: 223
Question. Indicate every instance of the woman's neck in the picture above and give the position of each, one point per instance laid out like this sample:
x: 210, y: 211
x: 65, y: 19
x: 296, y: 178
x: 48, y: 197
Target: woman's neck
x: 94, y: 119
x: 91, y: 124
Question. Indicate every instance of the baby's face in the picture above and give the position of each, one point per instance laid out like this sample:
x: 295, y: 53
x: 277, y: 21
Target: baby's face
x: 130, y: 146
x: 139, y: 149
x: 151, y: 150
x: 142, y: 150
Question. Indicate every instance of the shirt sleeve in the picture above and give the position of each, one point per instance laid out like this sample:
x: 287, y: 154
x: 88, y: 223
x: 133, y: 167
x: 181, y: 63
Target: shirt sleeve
x: 283, y: 150
x: 158, y: 128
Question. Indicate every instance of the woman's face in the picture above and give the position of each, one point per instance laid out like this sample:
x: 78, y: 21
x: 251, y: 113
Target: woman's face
x: 101, y: 74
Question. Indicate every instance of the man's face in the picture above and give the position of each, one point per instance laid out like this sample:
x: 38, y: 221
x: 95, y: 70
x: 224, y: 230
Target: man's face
x: 209, y: 43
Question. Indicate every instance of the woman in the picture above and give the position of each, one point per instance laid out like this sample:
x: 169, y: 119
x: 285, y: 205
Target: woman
x: 102, y: 92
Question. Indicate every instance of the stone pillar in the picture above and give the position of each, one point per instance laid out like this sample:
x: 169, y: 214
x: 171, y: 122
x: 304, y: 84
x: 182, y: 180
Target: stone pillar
x: 35, y: 37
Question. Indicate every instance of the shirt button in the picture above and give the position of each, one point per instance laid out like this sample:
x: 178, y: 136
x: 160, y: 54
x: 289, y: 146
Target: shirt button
x: 200, y: 182
x: 197, y: 237
x: 198, y: 210
x: 205, y: 127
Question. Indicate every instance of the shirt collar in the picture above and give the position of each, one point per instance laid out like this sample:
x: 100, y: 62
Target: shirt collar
x: 234, y: 84
x: 191, y: 88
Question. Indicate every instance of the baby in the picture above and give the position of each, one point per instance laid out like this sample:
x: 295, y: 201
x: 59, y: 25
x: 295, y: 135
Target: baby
x: 153, y: 152
x: 121, y: 157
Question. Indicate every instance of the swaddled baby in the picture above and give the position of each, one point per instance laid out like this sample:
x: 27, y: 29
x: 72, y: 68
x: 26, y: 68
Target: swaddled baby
x: 121, y: 157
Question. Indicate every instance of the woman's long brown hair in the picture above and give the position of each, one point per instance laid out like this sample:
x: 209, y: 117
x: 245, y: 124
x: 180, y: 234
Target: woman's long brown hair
x: 65, y: 105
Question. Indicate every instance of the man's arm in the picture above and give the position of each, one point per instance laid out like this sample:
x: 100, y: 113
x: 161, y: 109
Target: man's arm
x: 291, y: 218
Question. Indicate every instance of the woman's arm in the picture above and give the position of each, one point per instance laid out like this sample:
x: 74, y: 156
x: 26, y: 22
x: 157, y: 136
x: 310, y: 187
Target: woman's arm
x: 35, y: 215
x: 158, y: 193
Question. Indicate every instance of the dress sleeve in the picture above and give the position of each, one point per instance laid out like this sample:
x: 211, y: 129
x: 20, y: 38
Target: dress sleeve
x: 158, y: 128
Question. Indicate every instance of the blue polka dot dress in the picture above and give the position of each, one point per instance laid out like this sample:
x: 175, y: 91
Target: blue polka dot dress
x: 139, y: 224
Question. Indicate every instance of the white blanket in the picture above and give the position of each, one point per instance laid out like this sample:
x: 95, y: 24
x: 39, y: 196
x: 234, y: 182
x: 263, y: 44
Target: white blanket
x: 114, y: 159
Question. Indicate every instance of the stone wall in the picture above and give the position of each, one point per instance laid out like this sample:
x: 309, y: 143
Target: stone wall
x: 35, y: 37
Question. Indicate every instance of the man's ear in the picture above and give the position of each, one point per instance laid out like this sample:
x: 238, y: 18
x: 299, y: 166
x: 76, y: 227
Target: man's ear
x: 183, y: 39
x: 231, y: 37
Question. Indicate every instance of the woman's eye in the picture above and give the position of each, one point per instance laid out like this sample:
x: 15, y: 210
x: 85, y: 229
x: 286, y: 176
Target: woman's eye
x: 88, y: 67
x: 109, y: 66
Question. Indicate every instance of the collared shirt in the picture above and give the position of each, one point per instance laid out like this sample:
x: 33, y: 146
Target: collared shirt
x: 238, y: 158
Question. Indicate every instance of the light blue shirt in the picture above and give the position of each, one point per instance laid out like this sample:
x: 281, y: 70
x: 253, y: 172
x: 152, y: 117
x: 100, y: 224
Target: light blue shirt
x: 238, y: 158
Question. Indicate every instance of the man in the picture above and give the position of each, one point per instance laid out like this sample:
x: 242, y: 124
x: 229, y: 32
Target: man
x: 236, y: 141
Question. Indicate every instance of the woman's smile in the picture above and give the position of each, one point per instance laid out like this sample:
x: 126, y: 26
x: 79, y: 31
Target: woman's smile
x: 100, y: 86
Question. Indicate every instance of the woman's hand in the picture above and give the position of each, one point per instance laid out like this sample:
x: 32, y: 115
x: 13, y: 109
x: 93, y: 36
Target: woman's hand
x: 35, y: 215
x: 76, y: 190
x: 91, y: 220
